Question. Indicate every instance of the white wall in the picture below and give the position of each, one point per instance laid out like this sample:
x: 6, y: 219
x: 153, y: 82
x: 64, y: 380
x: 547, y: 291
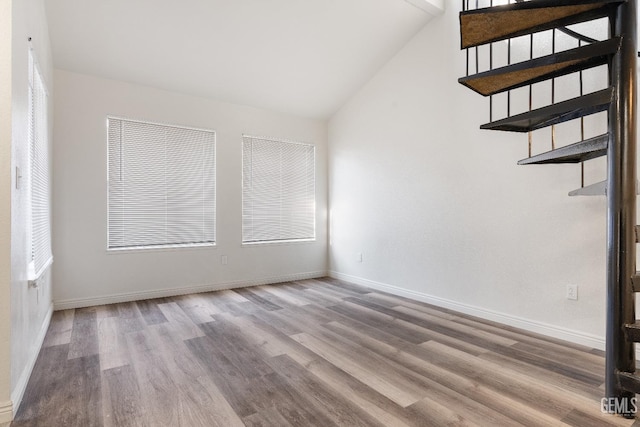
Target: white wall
x: 86, y: 274
x: 30, y: 308
x: 5, y: 211
x: 440, y: 210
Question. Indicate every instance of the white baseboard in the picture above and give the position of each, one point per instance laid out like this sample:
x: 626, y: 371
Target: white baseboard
x: 162, y: 293
x: 6, y: 412
x: 18, y: 391
x: 577, y: 337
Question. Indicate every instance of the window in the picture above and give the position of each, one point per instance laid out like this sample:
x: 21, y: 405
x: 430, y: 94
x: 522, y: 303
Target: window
x: 278, y: 191
x: 162, y: 185
x: 39, y: 178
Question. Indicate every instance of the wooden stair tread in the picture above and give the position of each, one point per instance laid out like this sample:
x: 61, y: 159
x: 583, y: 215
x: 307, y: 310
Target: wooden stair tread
x: 480, y: 26
x: 629, y: 381
x: 574, y: 153
x: 556, y: 113
x: 635, y: 279
x: 597, y: 189
x: 633, y: 331
x: 540, y: 69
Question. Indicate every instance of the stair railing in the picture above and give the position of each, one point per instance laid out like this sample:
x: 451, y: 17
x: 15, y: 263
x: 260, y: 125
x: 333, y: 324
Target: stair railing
x: 623, y: 281
x: 580, y: 38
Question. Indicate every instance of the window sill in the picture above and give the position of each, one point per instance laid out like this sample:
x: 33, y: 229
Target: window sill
x: 279, y: 242
x: 172, y: 248
x: 33, y: 276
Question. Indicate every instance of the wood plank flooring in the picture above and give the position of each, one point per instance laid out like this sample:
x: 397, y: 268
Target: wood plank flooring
x: 309, y: 353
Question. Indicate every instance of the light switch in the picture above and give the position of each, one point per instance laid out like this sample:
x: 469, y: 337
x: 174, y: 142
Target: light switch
x: 18, y: 177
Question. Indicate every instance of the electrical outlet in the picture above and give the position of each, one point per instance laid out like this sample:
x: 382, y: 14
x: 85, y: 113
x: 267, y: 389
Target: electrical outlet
x: 572, y: 292
x: 223, y: 259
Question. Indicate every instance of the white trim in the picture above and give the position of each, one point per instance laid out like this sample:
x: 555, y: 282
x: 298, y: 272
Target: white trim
x: 279, y: 242
x: 159, y: 248
x: 161, y: 293
x: 32, y: 276
x: 18, y: 391
x: 6, y: 412
x: 577, y: 337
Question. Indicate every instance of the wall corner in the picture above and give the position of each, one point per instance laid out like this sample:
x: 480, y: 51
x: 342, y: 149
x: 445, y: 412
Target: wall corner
x: 432, y: 7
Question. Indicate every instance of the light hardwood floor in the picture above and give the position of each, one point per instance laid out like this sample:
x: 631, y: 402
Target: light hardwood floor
x: 310, y: 353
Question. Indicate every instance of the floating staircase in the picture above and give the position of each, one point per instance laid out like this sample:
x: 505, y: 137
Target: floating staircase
x: 484, y: 26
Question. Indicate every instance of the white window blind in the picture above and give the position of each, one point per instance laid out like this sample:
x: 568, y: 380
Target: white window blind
x: 162, y: 185
x: 39, y: 181
x: 278, y: 190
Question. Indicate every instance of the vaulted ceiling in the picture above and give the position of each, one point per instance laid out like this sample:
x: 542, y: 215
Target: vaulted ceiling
x: 304, y: 57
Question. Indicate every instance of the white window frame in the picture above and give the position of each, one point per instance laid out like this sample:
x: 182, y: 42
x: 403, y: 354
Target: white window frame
x: 171, y: 246
x: 312, y: 238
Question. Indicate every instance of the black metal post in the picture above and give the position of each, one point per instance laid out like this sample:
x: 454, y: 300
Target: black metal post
x: 621, y: 207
